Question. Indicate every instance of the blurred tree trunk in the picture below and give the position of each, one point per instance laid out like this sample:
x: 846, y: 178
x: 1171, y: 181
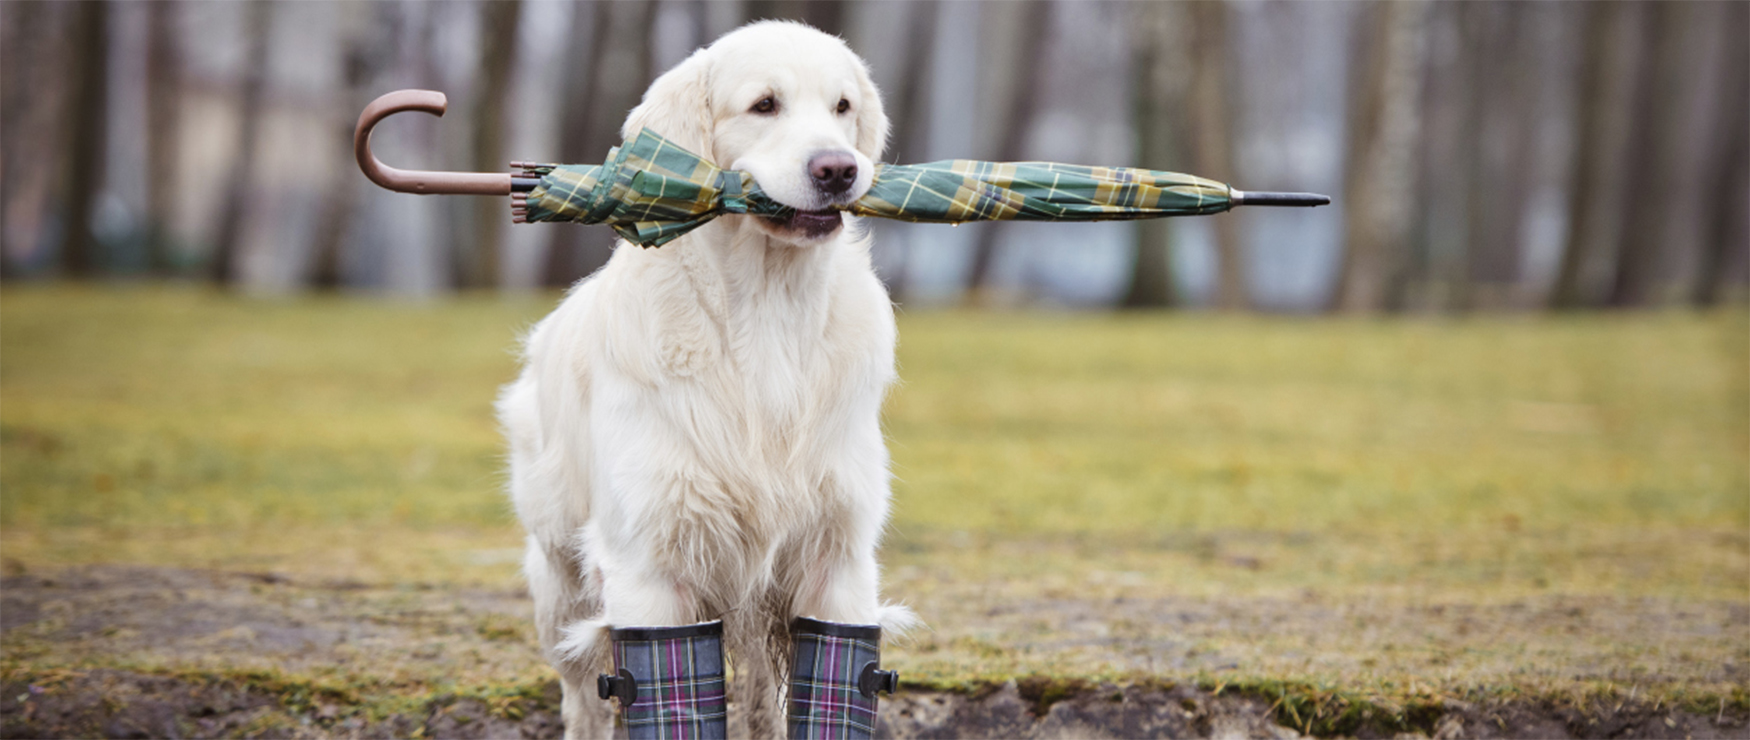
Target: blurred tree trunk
x: 1609, y: 73
x: 257, y: 21
x: 1440, y: 223
x: 163, y: 132
x: 826, y: 15
x: 1212, y: 146
x: 86, y: 118
x: 367, y: 33
x: 589, y: 36
x: 480, y: 258
x: 618, y: 72
x: 1584, y: 216
x: 1159, y: 97
x: 1728, y: 178
x: 910, y: 124
x: 1503, y: 113
x: 1384, y: 133
x: 1454, y: 202
x: 34, y: 100
x: 1017, y: 121
x: 1649, y: 179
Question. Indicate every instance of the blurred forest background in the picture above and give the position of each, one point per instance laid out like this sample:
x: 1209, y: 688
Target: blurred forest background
x: 1482, y: 155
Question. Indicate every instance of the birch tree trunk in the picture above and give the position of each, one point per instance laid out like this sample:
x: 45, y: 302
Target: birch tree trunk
x: 1384, y: 132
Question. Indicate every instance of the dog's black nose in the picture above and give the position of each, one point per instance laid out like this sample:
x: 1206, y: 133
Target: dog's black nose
x: 833, y: 172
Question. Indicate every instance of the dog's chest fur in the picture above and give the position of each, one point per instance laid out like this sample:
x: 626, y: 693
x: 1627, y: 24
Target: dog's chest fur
x: 769, y: 388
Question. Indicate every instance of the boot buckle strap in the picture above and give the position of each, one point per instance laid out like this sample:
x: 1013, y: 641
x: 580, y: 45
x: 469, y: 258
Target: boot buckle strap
x: 872, y: 681
x: 608, y: 685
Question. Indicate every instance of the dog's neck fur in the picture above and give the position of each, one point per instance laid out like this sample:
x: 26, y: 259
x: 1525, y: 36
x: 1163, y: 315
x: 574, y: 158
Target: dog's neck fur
x: 768, y: 303
x: 743, y: 277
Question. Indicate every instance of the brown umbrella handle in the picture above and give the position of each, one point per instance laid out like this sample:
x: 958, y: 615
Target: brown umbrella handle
x: 421, y: 182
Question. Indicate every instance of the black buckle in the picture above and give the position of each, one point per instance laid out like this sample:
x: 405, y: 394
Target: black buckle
x: 873, y: 681
x: 608, y: 685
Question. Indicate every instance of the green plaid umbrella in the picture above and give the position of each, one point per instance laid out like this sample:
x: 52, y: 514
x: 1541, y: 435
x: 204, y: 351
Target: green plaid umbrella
x: 651, y: 192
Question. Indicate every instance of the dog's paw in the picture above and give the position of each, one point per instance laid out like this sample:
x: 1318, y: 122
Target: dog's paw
x: 896, y: 620
x: 580, y: 637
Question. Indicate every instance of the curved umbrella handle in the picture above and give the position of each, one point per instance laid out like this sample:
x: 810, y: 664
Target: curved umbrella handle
x: 420, y: 182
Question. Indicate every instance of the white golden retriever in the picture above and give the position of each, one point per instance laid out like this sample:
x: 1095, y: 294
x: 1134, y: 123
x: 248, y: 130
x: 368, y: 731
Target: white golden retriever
x: 695, y: 434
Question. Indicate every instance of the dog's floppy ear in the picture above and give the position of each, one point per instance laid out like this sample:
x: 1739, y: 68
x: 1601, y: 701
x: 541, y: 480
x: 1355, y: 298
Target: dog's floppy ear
x: 871, y: 117
x: 678, y: 106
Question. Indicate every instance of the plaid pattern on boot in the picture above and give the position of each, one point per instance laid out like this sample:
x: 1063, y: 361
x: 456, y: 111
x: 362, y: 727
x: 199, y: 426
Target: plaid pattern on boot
x: 679, y: 675
x: 826, y: 702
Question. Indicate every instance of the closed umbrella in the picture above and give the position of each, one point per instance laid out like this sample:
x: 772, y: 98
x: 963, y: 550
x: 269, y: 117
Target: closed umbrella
x: 651, y: 191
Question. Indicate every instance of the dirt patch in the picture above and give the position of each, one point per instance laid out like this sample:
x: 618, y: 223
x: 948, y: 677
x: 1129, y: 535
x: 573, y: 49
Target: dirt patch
x: 146, y: 652
x: 122, y: 704
x: 130, y: 616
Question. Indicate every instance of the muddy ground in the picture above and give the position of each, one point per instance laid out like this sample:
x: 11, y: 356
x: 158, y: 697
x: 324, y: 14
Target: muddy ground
x: 150, y: 652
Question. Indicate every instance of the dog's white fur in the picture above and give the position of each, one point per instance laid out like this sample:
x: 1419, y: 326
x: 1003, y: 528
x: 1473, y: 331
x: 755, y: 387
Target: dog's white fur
x: 695, y: 434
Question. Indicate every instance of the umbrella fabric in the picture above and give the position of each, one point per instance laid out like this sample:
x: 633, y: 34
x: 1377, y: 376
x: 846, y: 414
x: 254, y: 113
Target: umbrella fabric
x: 652, y: 191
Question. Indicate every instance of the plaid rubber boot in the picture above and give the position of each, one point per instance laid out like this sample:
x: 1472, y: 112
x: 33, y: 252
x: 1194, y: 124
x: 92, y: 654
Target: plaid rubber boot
x: 669, y: 681
x: 835, y: 676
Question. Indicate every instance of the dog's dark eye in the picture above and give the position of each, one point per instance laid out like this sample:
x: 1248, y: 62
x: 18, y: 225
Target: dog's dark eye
x: 844, y: 105
x: 766, y: 105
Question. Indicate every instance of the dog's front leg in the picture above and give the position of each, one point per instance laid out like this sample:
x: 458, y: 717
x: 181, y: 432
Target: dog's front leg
x: 835, y: 673
x: 564, y: 597
x: 840, y: 587
x: 839, y: 578
x: 668, y: 674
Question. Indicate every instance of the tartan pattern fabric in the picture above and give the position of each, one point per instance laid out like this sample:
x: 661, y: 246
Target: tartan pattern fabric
x: 680, y: 683
x: 825, y: 703
x: 652, y: 191
x: 960, y: 190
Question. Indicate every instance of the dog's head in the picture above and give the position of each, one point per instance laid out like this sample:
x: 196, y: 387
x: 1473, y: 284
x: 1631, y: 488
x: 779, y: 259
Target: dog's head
x: 788, y: 104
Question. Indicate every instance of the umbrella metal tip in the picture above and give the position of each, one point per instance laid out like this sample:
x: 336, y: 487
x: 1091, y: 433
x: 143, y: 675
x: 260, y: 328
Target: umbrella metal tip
x: 1267, y: 198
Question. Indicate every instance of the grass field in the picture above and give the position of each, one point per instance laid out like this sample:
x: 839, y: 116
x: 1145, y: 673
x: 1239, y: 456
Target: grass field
x: 1549, y: 504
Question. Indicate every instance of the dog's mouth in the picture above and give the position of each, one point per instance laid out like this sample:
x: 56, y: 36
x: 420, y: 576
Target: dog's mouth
x: 811, y: 224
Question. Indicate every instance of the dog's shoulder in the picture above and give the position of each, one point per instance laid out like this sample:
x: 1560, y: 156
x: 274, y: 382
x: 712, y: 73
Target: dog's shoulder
x: 639, y: 317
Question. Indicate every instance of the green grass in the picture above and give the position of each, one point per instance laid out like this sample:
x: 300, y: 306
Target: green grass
x: 1412, y: 485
